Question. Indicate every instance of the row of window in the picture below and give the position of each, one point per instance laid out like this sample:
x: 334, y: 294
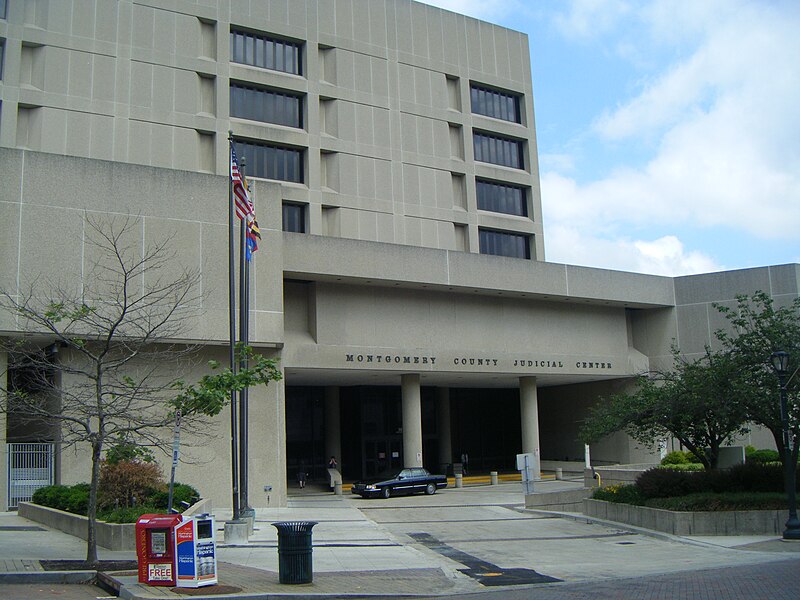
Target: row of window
x: 286, y: 164
x: 266, y: 52
x: 257, y: 104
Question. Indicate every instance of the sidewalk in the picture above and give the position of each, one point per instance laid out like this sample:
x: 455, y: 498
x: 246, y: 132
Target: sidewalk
x: 364, y: 548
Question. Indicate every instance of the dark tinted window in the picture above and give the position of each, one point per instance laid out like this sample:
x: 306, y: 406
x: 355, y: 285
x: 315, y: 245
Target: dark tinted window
x: 271, y: 161
x: 257, y: 104
x: 491, y: 103
x: 498, y: 150
x: 502, y: 198
x: 294, y: 217
x: 265, y: 52
x: 500, y: 243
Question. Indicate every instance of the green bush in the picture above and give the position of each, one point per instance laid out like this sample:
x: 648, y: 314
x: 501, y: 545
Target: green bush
x: 623, y: 494
x: 663, y: 483
x: 181, y: 493
x: 676, y: 457
x: 686, y: 467
x: 763, y: 457
x: 128, y: 514
x: 707, y: 501
x: 74, y: 499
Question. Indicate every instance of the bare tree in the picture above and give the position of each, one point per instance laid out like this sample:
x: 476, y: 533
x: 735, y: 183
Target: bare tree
x: 101, y: 357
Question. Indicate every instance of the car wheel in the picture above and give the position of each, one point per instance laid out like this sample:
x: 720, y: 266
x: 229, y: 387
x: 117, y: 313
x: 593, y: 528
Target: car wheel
x: 386, y: 492
x: 430, y: 489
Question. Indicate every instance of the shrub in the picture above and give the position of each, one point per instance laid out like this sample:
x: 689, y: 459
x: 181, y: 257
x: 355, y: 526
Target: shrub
x: 707, y: 501
x: 686, y: 467
x: 763, y: 456
x: 74, y: 499
x: 181, y: 493
x: 128, y: 452
x: 663, y: 483
x: 623, y: 494
x: 129, y: 514
x: 676, y: 457
x: 127, y: 483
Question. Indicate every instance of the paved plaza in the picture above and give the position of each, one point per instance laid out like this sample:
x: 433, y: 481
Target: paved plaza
x: 458, y: 542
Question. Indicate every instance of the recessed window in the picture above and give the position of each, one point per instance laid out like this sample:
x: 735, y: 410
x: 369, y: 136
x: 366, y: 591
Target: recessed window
x: 501, y: 243
x: 2, y: 54
x: 272, y: 161
x: 294, y: 217
x: 502, y: 198
x: 498, y: 150
x: 495, y: 104
x: 258, y: 104
x: 3, y: 5
x: 265, y: 52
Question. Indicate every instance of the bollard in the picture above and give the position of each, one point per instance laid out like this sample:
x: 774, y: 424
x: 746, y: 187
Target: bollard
x: 493, y: 477
x: 459, y: 480
x: 337, y: 488
x: 236, y: 532
x: 559, y: 474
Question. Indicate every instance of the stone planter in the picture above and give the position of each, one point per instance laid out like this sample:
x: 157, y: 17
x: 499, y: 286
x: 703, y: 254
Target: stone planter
x: 113, y: 536
x: 733, y: 522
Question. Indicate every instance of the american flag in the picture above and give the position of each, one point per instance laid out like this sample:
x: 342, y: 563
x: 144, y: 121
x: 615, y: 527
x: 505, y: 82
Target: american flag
x: 244, y: 206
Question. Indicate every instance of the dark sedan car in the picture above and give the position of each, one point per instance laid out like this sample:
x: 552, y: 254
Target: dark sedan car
x: 407, y: 481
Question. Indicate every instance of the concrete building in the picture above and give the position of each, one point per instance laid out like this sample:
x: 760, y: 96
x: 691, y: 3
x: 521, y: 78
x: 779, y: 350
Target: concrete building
x: 401, y: 280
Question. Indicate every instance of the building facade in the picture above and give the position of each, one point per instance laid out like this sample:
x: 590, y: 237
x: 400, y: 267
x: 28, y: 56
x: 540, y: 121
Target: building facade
x: 401, y: 280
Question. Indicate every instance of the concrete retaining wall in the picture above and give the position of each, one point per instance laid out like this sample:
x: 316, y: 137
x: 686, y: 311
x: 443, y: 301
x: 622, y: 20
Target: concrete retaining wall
x: 615, y: 475
x: 566, y: 501
x: 112, y: 536
x: 734, y: 522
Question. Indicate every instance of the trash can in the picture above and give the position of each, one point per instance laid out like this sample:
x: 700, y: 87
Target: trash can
x: 294, y: 551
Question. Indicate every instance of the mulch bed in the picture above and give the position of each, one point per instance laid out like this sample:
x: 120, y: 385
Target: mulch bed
x: 82, y: 565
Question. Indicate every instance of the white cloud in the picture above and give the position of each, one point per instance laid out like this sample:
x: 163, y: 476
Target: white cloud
x: 727, y: 138
x: 663, y: 256
x: 590, y: 18
x: 488, y: 10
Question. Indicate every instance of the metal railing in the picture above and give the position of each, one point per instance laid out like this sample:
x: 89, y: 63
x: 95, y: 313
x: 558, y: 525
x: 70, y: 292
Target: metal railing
x: 30, y: 467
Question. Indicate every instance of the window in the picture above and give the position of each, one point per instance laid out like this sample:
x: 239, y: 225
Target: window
x: 502, y: 198
x: 498, y: 150
x: 294, y: 217
x: 271, y: 161
x: 3, y: 5
x: 499, y: 243
x: 2, y: 53
x: 265, y: 52
x: 257, y: 104
x: 491, y: 103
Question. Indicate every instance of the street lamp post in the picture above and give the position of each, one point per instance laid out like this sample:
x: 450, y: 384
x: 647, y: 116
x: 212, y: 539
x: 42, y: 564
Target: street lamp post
x: 780, y: 363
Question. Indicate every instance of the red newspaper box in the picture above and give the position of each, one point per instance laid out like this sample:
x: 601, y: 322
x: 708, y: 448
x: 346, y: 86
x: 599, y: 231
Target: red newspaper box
x: 155, y: 548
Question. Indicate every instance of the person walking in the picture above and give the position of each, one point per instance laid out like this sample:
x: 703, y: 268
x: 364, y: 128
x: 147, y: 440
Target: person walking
x: 301, y: 477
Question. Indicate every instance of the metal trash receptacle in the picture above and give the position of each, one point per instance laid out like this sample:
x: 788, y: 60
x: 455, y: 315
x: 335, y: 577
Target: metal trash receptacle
x: 294, y: 551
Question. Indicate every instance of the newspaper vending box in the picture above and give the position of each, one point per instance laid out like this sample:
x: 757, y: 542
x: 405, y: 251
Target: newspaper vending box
x: 155, y: 548
x: 195, y: 552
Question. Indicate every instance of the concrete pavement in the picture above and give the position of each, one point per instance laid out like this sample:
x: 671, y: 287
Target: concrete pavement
x: 458, y: 541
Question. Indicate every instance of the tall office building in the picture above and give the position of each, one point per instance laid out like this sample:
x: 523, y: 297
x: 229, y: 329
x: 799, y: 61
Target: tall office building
x: 401, y: 280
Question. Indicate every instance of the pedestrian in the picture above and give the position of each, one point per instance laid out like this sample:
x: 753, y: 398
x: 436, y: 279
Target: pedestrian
x: 332, y: 464
x: 301, y: 477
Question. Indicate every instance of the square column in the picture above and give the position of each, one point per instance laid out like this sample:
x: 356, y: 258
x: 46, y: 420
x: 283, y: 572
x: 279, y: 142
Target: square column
x: 333, y: 426
x: 443, y: 425
x: 412, y: 420
x: 529, y: 411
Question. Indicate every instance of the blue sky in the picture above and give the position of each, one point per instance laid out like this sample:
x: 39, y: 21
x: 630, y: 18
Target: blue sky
x: 668, y: 130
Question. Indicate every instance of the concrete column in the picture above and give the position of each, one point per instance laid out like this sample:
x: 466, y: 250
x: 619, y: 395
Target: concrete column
x: 529, y: 410
x: 333, y: 426
x: 3, y: 433
x: 443, y: 425
x: 412, y: 420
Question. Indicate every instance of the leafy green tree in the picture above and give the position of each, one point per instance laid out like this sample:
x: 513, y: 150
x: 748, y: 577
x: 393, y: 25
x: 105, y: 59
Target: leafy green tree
x: 695, y: 403
x: 96, y: 359
x: 759, y: 328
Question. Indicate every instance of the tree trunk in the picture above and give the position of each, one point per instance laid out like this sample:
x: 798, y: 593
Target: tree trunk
x: 91, y: 511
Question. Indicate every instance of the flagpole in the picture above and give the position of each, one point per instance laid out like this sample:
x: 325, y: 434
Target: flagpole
x: 232, y: 323
x: 244, y: 338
